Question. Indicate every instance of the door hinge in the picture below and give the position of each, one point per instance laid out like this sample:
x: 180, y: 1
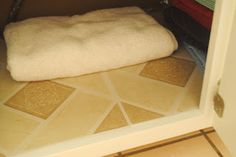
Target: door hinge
x: 219, y: 104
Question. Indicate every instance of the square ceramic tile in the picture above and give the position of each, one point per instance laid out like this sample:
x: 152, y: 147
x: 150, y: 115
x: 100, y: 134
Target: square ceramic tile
x: 193, y: 95
x: 195, y: 147
x: 115, y: 119
x: 77, y: 119
x: 93, y: 82
x: 219, y: 144
x: 171, y: 70
x: 137, y: 114
x: 40, y: 99
x: 14, y: 129
x: 147, y: 93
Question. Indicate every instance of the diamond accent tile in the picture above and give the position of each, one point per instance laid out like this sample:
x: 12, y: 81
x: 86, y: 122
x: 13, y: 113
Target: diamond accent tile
x: 171, y: 70
x: 137, y: 114
x: 40, y: 99
x: 115, y: 119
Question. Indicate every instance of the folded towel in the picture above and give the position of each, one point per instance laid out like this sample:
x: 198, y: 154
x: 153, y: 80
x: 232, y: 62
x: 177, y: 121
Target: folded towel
x: 53, y: 47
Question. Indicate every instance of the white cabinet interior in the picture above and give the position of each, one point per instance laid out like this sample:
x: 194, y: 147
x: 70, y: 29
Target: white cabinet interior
x: 134, y: 133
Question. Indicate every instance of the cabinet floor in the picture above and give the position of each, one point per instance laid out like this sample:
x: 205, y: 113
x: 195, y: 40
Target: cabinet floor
x: 36, y: 114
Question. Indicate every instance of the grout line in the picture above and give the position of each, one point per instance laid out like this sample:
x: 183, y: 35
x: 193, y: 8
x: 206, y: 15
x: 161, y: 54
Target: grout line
x: 13, y: 93
x: 208, y: 132
x: 141, y: 68
x: 210, y: 129
x: 110, y: 86
x: 156, y: 81
x: 182, y: 95
x: 113, y: 91
x: 145, y: 107
x: 124, y: 113
x: 211, y: 143
x: 166, y: 143
x: 94, y: 93
x: 41, y: 126
x: 100, y: 120
x: 85, y: 90
x: 119, y: 154
x: 163, y: 144
x: 24, y: 114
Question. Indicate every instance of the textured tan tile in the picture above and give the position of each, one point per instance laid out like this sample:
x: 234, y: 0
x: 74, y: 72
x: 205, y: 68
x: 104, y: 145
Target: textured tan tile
x: 137, y: 114
x: 182, y: 54
x: 192, y: 98
x: 114, y: 119
x: 145, y: 92
x: 14, y: 129
x: 195, y: 147
x: 76, y: 120
x: 219, y: 144
x: 91, y: 81
x: 171, y: 70
x: 167, y: 142
x: 40, y: 98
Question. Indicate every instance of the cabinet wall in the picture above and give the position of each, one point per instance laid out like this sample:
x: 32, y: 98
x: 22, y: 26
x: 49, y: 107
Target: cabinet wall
x: 34, y: 8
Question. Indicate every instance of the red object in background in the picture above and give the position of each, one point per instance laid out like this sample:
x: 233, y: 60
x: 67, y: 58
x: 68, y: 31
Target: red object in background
x: 198, y: 12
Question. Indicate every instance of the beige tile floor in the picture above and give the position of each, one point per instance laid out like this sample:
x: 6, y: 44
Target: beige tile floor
x: 35, y: 114
x: 203, y: 143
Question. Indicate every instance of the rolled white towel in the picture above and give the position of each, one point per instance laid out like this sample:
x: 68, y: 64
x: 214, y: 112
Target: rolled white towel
x: 52, y: 47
